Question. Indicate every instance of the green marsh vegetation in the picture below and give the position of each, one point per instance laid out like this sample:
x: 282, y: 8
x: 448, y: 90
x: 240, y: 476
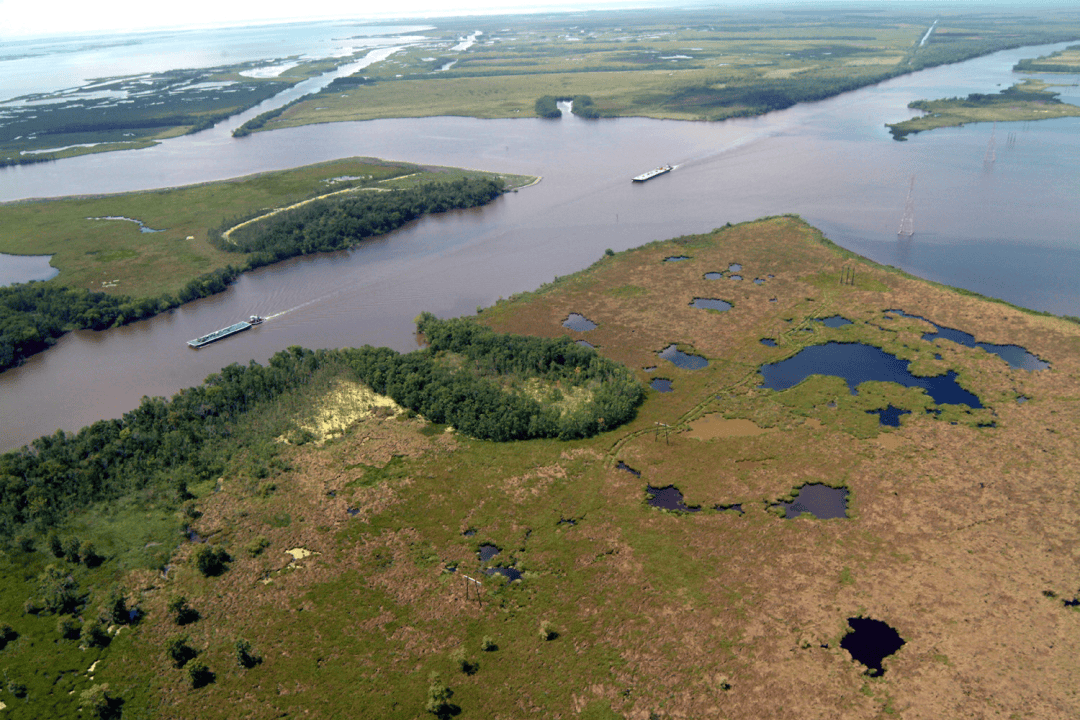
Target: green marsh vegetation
x: 619, y: 608
x: 692, y: 65
x: 111, y: 273
x: 1026, y: 100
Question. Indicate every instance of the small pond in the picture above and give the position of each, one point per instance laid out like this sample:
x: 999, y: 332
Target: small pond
x: 759, y: 281
x: 710, y: 304
x: 586, y: 343
x: 821, y: 501
x: 889, y: 416
x: 470, y: 532
x: 769, y: 342
x: 1016, y: 356
x: 25, y: 268
x: 834, y: 321
x: 510, y: 574
x: 667, y: 498
x: 627, y: 468
x: 487, y: 552
x: 870, y: 642
x: 736, y: 277
x: 580, y: 323
x: 676, y: 258
x: 661, y: 385
x: 857, y: 363
x: 683, y: 360
x: 713, y: 275
x: 734, y: 267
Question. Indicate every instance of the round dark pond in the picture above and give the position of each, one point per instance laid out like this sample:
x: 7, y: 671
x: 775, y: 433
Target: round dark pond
x: 857, y: 363
x: 821, y: 501
x: 1017, y: 356
x: 667, y: 498
x: 734, y: 267
x: 661, y: 385
x: 871, y: 642
x: 683, y: 360
x: 487, y: 552
x: 580, y: 323
x: 889, y: 416
x: 710, y: 304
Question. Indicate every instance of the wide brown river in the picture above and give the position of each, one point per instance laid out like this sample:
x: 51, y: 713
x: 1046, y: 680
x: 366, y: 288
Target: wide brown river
x: 1004, y: 224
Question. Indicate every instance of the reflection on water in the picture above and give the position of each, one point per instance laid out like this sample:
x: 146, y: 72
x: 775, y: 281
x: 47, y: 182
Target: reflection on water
x: 25, y: 268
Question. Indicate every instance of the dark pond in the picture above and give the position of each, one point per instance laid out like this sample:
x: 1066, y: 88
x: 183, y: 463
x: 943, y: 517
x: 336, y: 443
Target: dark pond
x: 768, y: 341
x: 667, y: 498
x: 586, y: 343
x: 713, y: 275
x: 734, y: 267
x: 889, y: 416
x: 627, y: 468
x: 651, y: 368
x: 487, y: 552
x: 580, y: 323
x: 661, y: 385
x: 759, y: 281
x: 858, y: 363
x: 470, y: 532
x: 353, y: 512
x: 676, y: 258
x: 737, y: 507
x: 509, y: 573
x: 821, y: 501
x: 834, y: 321
x: 1022, y: 399
x: 710, y: 304
x: 736, y: 277
x: 870, y: 642
x: 1015, y: 355
x: 195, y: 537
x: 567, y: 521
x: 683, y: 360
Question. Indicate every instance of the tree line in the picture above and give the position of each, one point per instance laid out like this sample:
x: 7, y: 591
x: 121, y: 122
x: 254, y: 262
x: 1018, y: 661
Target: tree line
x: 33, y: 315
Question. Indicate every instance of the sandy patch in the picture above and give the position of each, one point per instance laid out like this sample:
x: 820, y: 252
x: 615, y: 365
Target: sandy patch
x: 299, y: 553
x: 344, y: 405
x: 714, y: 426
x: 888, y: 441
x: 92, y: 667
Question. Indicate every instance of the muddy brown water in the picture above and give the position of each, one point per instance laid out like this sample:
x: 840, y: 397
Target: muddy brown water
x: 832, y: 162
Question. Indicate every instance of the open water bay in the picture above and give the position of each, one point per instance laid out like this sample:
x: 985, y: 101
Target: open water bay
x: 1006, y: 228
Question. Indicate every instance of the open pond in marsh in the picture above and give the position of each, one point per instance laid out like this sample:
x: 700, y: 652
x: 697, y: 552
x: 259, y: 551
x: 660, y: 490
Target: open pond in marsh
x: 857, y: 363
x: 682, y: 360
x: 834, y: 321
x: 710, y: 304
x: 667, y: 498
x: 580, y: 323
x: 1017, y: 357
x: 821, y: 501
x: 889, y: 416
x: 25, y: 268
x: 486, y: 552
x: 661, y: 385
x: 832, y: 162
x: 870, y: 642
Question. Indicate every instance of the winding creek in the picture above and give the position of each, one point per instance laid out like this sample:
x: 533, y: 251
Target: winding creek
x: 1008, y: 229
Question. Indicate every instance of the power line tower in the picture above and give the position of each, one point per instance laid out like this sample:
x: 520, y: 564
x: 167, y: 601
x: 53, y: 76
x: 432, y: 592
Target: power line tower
x: 907, y: 222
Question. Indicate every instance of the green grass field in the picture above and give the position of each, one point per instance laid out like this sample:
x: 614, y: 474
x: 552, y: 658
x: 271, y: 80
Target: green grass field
x: 114, y: 256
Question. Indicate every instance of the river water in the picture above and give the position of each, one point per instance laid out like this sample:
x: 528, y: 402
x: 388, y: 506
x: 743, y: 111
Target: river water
x: 1007, y: 228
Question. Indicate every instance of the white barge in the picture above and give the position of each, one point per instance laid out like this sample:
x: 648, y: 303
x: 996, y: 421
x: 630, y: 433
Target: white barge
x: 225, y: 332
x: 653, y: 173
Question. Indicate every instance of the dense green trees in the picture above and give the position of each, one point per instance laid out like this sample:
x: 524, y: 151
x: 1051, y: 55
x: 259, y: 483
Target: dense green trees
x: 547, y: 107
x: 479, y: 398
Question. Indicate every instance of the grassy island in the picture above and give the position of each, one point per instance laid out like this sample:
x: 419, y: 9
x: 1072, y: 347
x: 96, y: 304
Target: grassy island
x: 283, y: 540
x: 1026, y: 100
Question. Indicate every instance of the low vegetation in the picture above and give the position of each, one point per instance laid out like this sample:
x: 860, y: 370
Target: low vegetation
x: 346, y: 585
x: 1027, y: 100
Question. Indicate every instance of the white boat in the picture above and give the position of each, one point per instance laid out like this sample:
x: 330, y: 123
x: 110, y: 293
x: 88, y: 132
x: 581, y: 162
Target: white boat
x: 653, y: 173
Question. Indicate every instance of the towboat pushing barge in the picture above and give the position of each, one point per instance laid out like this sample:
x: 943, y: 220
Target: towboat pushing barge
x: 225, y: 332
x: 653, y: 173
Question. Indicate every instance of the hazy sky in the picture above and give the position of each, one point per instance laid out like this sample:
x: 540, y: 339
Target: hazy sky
x: 46, y: 17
